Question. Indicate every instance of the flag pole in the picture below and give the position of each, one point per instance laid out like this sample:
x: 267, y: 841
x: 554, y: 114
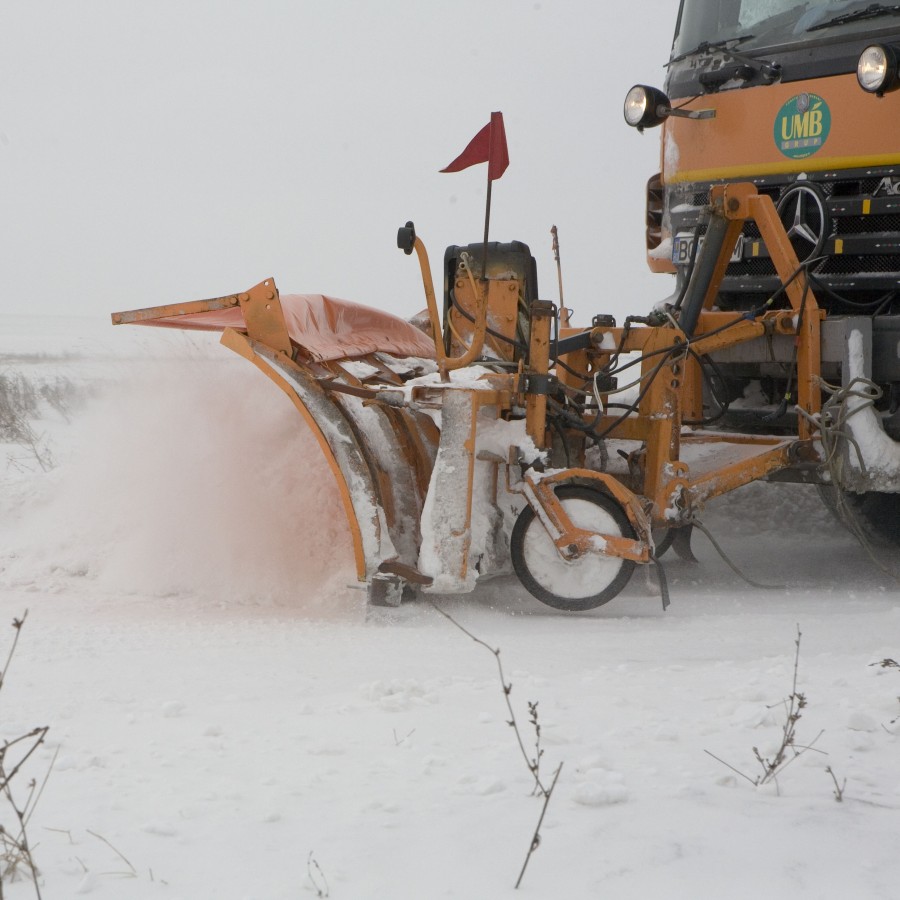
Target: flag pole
x: 487, y: 225
x: 489, y: 146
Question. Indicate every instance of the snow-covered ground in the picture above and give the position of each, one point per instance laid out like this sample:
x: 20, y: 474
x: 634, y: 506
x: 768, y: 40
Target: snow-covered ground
x: 226, y: 722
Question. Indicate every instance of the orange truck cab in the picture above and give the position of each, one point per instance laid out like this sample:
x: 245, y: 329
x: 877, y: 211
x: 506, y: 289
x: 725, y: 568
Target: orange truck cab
x: 802, y: 101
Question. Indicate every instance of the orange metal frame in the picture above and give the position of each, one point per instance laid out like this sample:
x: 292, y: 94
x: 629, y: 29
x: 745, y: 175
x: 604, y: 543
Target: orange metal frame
x: 668, y: 492
x: 661, y: 490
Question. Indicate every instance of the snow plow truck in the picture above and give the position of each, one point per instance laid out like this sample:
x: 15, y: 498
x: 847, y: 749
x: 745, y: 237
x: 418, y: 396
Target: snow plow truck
x: 487, y: 435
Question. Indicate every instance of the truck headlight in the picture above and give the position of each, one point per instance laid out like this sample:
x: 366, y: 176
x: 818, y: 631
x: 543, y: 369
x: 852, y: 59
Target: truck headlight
x: 876, y: 70
x: 645, y: 106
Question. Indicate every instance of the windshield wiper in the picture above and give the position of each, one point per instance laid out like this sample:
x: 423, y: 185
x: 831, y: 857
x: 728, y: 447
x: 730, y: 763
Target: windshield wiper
x: 710, y: 47
x: 872, y: 11
x: 769, y: 70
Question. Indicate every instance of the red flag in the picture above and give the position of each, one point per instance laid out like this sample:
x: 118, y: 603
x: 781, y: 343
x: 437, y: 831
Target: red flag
x: 489, y: 146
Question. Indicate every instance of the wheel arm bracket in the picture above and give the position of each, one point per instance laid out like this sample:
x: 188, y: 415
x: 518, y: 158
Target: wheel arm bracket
x: 572, y: 542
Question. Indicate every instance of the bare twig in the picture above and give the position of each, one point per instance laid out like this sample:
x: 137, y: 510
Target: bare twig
x: 533, y: 721
x: 399, y: 741
x: 6, y: 777
x: 20, y: 403
x: 536, y: 837
x: 788, y: 750
x: 533, y: 764
x: 753, y: 781
x: 838, y: 788
x: 17, y: 625
x: 64, y: 831
x: 793, y: 707
x: 130, y: 874
x: 16, y: 849
x: 40, y: 790
x: 886, y: 663
x: 312, y: 864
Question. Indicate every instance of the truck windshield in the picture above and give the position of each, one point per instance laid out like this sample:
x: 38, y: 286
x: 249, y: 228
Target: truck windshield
x: 770, y: 23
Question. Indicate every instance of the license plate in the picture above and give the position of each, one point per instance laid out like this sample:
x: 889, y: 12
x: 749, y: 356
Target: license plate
x: 682, y: 245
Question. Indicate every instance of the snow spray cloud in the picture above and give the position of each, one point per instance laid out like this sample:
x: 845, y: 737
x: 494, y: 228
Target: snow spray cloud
x: 195, y: 477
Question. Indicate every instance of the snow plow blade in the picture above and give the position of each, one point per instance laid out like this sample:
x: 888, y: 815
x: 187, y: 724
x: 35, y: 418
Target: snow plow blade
x: 324, y: 353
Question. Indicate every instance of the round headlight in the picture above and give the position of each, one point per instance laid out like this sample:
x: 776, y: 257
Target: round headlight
x: 876, y: 70
x: 644, y: 105
x: 636, y: 102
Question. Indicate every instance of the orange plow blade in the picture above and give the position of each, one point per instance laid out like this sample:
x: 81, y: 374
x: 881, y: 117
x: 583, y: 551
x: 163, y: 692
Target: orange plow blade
x: 337, y: 361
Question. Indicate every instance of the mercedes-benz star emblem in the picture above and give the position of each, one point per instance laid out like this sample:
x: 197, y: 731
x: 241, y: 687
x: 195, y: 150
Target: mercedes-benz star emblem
x: 804, y: 214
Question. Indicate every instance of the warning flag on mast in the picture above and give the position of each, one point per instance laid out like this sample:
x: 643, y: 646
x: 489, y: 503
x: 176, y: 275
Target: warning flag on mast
x: 489, y: 146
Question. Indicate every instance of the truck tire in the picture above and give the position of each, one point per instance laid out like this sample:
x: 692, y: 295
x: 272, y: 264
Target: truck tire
x: 876, y: 514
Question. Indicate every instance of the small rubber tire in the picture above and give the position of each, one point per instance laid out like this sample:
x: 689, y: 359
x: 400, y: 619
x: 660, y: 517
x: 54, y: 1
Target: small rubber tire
x: 581, y: 584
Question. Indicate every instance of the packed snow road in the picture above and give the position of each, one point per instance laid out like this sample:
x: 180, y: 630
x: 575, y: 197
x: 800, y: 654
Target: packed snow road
x: 227, y: 722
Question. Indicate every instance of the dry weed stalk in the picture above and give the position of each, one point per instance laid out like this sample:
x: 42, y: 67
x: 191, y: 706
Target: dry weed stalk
x: 20, y: 406
x: 312, y: 868
x: 788, y: 750
x: 131, y: 873
x: 838, y: 787
x: 399, y: 740
x: 62, y: 394
x: 888, y: 663
x: 15, y: 848
x: 536, y: 837
x: 532, y: 762
x: 19, y: 400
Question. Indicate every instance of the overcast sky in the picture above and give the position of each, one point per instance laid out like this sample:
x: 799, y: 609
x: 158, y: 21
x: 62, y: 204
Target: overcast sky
x: 152, y: 152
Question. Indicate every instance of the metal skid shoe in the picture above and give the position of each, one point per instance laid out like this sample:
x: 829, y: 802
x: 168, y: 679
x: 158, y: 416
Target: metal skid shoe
x: 393, y: 583
x: 385, y: 590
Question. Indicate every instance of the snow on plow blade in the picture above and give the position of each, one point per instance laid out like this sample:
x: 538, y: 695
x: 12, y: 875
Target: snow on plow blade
x: 326, y: 354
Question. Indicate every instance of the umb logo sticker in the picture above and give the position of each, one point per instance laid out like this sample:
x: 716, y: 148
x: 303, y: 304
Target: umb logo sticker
x: 802, y: 125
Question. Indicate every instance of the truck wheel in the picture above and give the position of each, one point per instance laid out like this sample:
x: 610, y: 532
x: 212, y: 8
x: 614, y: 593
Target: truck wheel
x: 877, y: 514
x: 583, y: 583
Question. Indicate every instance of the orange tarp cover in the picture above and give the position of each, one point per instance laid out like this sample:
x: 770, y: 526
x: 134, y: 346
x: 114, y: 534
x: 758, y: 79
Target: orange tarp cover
x: 324, y: 327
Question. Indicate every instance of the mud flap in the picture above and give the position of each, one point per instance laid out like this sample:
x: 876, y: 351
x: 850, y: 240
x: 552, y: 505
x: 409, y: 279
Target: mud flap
x: 681, y: 543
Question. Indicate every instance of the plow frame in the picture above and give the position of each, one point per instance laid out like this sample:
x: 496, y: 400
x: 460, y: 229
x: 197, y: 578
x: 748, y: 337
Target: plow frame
x: 395, y: 465
x: 668, y: 489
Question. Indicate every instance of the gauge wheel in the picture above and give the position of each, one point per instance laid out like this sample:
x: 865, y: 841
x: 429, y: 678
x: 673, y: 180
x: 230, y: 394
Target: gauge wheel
x: 579, y: 584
